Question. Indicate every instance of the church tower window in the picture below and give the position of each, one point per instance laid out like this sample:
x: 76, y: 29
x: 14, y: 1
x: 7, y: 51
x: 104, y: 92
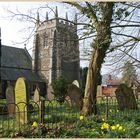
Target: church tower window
x: 45, y: 41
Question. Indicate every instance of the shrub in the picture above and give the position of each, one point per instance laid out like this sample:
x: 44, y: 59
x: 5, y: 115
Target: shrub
x: 60, y: 87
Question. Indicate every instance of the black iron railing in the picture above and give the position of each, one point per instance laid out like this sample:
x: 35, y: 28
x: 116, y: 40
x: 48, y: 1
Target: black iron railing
x: 53, y: 115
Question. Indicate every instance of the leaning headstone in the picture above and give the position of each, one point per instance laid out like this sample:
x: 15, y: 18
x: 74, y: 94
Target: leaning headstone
x: 21, y: 101
x: 10, y: 98
x: 125, y: 97
x: 75, y: 95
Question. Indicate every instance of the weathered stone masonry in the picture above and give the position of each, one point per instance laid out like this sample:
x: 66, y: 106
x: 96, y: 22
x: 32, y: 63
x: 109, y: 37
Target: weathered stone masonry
x: 56, y: 49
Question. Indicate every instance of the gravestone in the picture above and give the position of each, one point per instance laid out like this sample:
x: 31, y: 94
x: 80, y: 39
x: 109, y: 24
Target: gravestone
x: 21, y: 101
x: 36, y: 99
x: 36, y: 96
x: 10, y: 98
x: 125, y: 97
x: 68, y: 99
x: 76, y: 83
x: 75, y: 95
x: 40, y: 100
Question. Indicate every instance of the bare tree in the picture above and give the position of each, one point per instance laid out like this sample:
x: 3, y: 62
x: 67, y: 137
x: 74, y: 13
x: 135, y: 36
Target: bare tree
x: 108, y: 20
x: 112, y: 27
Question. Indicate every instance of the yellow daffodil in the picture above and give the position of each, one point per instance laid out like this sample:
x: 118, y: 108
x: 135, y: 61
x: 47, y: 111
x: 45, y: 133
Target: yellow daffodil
x: 117, y: 125
x: 35, y: 124
x: 110, y: 110
x: 102, y: 127
x: 124, y: 129
x: 120, y: 128
x: 81, y: 118
x: 113, y: 127
x: 105, y: 126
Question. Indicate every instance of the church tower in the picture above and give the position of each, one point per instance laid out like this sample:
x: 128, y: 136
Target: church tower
x: 56, y: 48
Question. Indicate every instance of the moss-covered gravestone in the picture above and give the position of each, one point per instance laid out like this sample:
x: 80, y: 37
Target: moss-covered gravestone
x: 125, y: 97
x: 21, y: 101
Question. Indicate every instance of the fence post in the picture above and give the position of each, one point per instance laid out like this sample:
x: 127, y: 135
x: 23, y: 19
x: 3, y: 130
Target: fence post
x: 106, y: 107
x: 42, y: 110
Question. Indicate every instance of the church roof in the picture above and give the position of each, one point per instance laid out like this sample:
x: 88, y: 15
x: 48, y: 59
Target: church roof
x: 15, y: 57
x: 15, y: 63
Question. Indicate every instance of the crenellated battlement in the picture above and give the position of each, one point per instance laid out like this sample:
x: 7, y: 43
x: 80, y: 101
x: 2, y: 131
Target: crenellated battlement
x: 58, y: 22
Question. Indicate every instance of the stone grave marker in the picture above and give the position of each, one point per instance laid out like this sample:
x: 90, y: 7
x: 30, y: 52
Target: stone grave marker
x: 20, y: 97
x: 76, y: 83
x: 41, y: 103
x: 75, y: 95
x: 125, y: 97
x: 10, y: 98
x: 36, y: 97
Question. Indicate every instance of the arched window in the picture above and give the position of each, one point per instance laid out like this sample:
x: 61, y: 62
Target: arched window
x: 45, y: 41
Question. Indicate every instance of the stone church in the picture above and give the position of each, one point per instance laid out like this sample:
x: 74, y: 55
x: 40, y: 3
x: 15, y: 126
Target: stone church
x: 56, y: 48
x: 55, y: 52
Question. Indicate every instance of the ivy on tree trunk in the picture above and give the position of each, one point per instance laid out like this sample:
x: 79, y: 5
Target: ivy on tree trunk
x: 101, y: 22
x: 101, y: 45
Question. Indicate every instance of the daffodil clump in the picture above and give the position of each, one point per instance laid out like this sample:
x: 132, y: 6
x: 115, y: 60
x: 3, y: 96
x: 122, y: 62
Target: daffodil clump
x: 117, y: 127
x: 105, y: 126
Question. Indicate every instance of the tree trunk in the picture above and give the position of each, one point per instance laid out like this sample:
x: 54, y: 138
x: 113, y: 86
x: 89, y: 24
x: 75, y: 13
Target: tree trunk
x: 93, y: 75
x: 100, y: 46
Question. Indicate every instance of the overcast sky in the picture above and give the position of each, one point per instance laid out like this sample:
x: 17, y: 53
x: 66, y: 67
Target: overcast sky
x: 12, y: 31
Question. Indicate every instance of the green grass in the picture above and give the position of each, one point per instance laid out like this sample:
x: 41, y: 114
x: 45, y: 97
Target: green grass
x: 2, y: 101
x: 62, y: 115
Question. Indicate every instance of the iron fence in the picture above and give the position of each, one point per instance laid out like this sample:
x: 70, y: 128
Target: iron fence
x: 55, y: 114
x: 52, y: 113
x: 109, y: 107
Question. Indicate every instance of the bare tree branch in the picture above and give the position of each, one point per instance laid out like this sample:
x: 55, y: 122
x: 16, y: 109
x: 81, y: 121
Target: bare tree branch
x: 129, y: 26
x: 129, y: 55
x: 135, y: 38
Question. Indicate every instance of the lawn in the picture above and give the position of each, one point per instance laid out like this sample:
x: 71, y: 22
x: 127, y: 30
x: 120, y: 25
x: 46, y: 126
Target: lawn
x: 63, y: 121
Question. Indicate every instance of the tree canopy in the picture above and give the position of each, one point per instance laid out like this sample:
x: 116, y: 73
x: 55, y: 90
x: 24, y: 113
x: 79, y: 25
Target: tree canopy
x: 129, y: 74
